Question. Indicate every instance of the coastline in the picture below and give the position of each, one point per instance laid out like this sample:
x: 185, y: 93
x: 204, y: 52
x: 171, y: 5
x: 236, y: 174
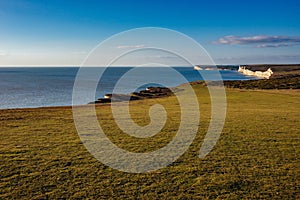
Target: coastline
x: 284, y: 77
x: 39, y: 87
x: 281, y: 80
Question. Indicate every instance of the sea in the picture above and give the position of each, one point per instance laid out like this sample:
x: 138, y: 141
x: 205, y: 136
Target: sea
x: 30, y: 87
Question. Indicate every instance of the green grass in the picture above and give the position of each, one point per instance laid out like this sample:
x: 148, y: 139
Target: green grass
x: 257, y: 155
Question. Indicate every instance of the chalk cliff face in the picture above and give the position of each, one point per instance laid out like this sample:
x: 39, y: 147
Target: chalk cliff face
x: 266, y: 74
x: 196, y: 67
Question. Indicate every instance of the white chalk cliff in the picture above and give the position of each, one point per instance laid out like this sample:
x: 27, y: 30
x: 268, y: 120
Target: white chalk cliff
x: 260, y: 74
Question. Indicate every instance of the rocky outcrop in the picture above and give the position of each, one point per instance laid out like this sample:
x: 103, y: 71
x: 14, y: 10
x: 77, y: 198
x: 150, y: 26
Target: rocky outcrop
x: 149, y: 92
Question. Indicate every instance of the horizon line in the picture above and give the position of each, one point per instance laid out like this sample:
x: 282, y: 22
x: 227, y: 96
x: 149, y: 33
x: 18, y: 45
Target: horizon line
x: 149, y: 66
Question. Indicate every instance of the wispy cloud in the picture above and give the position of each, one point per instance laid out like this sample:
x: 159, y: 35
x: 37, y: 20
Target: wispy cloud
x: 162, y: 56
x: 276, y: 45
x: 260, y: 41
x: 252, y: 59
x: 130, y: 46
x: 78, y: 52
x: 2, y: 53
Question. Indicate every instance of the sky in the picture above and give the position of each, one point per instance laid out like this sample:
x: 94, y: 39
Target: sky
x: 62, y: 33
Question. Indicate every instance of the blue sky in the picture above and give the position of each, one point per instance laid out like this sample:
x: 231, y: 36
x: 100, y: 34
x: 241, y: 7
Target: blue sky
x: 55, y: 32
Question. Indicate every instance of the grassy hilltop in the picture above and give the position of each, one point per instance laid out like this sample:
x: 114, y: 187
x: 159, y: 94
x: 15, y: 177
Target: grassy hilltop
x: 284, y: 77
x: 257, y: 155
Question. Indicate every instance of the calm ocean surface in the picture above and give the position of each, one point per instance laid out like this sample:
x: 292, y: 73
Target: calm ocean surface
x: 26, y: 87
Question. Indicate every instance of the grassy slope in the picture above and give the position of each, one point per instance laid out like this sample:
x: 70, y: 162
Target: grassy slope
x: 257, y: 155
x: 284, y: 77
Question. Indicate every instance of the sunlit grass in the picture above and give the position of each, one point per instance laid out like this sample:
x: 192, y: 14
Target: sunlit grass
x: 257, y: 155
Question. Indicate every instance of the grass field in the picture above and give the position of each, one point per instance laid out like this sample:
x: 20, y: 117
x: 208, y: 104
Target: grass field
x: 257, y: 155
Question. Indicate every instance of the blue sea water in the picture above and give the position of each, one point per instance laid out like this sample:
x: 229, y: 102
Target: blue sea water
x: 26, y: 87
